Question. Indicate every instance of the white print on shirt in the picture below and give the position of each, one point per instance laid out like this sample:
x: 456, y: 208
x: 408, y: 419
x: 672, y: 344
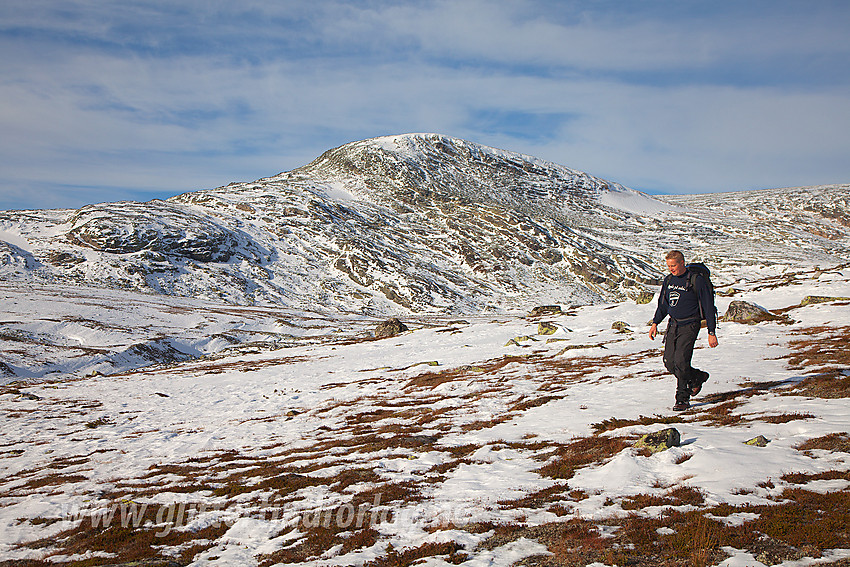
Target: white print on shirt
x: 674, y: 298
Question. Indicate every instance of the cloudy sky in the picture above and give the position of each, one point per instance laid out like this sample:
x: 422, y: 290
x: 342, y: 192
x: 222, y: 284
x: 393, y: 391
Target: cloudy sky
x: 141, y: 99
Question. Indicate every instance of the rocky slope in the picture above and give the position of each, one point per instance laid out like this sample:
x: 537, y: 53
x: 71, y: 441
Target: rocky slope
x: 417, y: 223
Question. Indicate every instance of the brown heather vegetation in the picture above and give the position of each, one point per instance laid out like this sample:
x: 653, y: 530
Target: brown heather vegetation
x: 824, y: 350
x: 835, y: 442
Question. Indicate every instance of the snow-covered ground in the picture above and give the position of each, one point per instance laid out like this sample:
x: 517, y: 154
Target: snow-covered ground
x: 442, y: 440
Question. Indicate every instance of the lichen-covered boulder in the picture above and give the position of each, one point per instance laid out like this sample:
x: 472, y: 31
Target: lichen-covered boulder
x: 390, y: 328
x: 760, y: 441
x: 643, y: 297
x: 749, y: 313
x: 547, y: 328
x: 543, y: 310
x: 516, y: 340
x: 621, y: 327
x: 660, y: 440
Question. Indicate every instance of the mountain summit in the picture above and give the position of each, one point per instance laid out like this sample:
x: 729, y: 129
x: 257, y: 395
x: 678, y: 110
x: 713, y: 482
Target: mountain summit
x: 412, y: 170
x: 415, y: 223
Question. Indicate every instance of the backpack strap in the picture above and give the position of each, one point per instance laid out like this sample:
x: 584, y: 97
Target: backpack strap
x: 664, y: 287
x: 693, y: 281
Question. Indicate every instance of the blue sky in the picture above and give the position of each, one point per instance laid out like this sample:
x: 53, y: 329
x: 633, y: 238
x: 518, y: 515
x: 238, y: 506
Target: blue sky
x: 106, y: 101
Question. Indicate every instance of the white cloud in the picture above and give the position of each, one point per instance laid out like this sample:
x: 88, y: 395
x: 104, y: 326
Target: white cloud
x: 183, y: 118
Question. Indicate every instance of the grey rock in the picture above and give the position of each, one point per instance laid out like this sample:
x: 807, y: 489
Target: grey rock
x: 167, y: 228
x: 749, y: 313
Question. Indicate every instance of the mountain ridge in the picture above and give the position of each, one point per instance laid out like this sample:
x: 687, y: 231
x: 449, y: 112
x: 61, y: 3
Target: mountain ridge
x: 417, y: 223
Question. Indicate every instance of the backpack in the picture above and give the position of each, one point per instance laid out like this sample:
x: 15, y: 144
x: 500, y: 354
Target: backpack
x: 700, y: 269
x: 697, y: 269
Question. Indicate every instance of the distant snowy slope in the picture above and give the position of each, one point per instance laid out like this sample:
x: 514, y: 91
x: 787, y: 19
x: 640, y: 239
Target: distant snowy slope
x: 418, y: 223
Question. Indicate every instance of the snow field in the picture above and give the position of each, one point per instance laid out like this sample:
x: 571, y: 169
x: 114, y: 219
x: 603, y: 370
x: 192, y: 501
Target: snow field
x: 466, y: 437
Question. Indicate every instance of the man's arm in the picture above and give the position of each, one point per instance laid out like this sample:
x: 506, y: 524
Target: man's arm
x: 708, y: 310
x: 660, y: 312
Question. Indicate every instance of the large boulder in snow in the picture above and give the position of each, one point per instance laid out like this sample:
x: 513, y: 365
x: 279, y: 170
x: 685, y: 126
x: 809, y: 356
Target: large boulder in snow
x: 390, y: 328
x: 749, y: 313
x: 660, y: 440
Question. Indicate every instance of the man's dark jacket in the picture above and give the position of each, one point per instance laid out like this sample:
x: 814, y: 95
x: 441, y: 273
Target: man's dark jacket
x: 681, y: 301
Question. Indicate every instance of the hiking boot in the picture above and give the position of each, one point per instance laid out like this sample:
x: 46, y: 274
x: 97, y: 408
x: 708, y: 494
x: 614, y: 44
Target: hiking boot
x: 681, y: 406
x: 695, y: 389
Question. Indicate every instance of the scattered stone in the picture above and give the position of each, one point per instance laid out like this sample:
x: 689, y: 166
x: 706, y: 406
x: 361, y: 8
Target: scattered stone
x: 516, y: 340
x: 660, y: 440
x: 749, y: 313
x: 60, y: 258
x: 425, y: 363
x: 161, y: 395
x: 546, y: 328
x: 621, y: 327
x: 555, y: 340
x: 760, y: 441
x: 575, y: 347
x: 542, y: 310
x: 813, y: 299
x: 22, y: 395
x: 731, y: 292
x: 414, y: 441
x: 390, y: 328
x: 643, y: 297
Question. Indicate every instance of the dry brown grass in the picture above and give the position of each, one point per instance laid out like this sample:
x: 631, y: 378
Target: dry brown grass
x: 580, y: 453
x: 615, y: 423
x: 823, y: 350
x: 835, y: 442
x: 681, y: 496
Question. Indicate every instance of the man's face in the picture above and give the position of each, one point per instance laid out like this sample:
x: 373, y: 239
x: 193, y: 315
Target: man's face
x: 676, y: 266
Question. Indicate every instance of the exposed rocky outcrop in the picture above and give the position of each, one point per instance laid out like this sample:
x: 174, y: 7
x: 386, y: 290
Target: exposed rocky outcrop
x: 122, y: 228
x: 814, y: 299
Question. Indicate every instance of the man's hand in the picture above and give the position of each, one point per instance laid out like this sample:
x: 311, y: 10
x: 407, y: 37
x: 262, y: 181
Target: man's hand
x: 653, y: 330
x: 712, y: 341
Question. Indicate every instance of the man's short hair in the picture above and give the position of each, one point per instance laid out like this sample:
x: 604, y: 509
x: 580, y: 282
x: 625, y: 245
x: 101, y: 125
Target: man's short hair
x: 675, y: 254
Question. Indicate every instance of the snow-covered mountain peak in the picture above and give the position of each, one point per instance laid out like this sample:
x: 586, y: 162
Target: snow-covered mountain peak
x: 409, y: 169
x: 419, y: 223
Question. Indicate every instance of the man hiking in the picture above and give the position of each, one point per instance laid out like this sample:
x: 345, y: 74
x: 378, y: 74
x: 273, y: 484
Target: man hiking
x: 687, y: 298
